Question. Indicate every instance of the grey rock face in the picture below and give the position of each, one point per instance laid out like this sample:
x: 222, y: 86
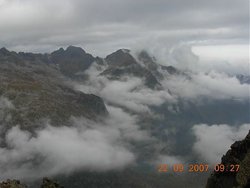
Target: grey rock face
x: 72, y: 60
x: 122, y: 63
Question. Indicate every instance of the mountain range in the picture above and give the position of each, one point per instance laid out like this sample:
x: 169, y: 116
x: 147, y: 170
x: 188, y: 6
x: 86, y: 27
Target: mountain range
x: 154, y: 108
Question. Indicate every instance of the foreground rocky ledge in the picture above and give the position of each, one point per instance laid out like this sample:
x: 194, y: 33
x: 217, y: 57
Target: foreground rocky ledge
x: 47, y: 183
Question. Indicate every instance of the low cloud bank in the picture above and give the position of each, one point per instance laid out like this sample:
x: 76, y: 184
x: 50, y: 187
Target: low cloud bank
x: 87, y: 145
x: 213, y: 141
x: 58, y: 151
x: 128, y: 92
x: 131, y: 93
x: 214, y: 80
x: 212, y: 85
x: 230, y: 59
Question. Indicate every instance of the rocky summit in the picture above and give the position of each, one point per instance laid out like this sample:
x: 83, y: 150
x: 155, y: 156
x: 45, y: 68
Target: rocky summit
x: 122, y: 63
x: 71, y: 60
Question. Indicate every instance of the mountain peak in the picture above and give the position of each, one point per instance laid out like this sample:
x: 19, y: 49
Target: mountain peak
x: 75, y: 50
x: 71, y: 51
x: 124, y: 50
x: 4, y: 51
x: 121, y: 57
x: 72, y: 60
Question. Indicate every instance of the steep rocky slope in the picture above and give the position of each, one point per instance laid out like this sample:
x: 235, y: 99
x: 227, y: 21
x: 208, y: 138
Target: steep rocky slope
x: 36, y: 90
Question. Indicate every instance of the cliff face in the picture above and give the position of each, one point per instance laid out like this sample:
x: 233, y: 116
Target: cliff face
x: 71, y: 60
x: 238, y: 154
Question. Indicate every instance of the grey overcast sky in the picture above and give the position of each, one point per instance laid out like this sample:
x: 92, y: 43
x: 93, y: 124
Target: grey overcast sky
x: 102, y: 26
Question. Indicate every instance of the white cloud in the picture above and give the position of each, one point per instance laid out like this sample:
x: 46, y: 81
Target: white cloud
x: 127, y: 124
x: 133, y: 95
x: 222, y: 52
x: 86, y: 145
x: 59, y: 151
x: 203, y: 79
x: 127, y: 92
x: 232, y: 59
x: 5, y: 103
x: 213, y: 141
x: 212, y: 85
x: 183, y: 58
x: 169, y: 159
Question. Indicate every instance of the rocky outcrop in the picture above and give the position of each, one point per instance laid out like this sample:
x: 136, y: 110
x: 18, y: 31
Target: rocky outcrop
x: 120, y: 58
x: 238, y: 154
x: 122, y: 63
x: 72, y: 61
x: 170, y: 69
x: 244, y: 79
x: 12, y: 184
x: 46, y: 183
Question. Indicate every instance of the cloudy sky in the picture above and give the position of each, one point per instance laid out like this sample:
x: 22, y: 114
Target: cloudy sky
x: 101, y: 27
